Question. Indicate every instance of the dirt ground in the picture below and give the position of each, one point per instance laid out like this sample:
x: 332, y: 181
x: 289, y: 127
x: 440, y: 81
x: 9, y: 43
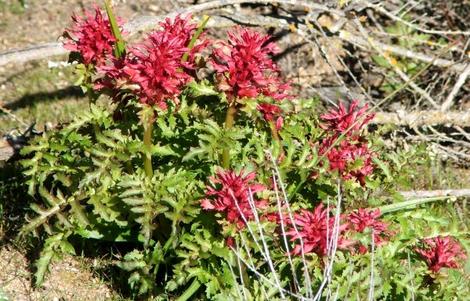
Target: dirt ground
x: 69, y: 279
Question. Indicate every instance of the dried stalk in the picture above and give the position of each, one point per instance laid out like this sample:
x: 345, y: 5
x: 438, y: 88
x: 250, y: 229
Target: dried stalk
x: 418, y: 118
x: 361, y: 42
x: 383, y: 11
x: 460, y: 82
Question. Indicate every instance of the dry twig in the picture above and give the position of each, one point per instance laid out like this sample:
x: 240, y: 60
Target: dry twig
x: 419, y: 118
x: 460, y: 82
x: 380, y: 9
x: 400, y: 51
x: 397, y: 70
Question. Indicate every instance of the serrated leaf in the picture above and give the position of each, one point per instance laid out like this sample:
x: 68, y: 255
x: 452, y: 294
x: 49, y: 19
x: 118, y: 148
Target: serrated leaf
x: 162, y: 151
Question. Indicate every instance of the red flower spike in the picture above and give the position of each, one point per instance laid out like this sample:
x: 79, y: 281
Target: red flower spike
x: 244, y: 67
x: 363, y: 219
x: 185, y: 30
x: 314, y: 227
x: 341, y: 120
x: 156, y: 67
x: 441, y: 252
x: 232, y: 189
x: 91, y: 37
x: 344, y: 154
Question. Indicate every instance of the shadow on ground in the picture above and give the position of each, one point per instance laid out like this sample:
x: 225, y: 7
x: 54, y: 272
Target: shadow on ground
x: 30, y: 99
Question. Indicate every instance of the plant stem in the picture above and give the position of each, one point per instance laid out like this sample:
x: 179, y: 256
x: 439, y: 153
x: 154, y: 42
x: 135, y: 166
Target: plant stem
x: 148, y: 127
x: 189, y: 292
x: 277, y: 140
x: 274, y: 131
x: 229, y: 122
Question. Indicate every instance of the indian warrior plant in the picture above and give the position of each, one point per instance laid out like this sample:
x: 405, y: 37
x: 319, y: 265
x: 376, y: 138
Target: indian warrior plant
x: 196, y: 162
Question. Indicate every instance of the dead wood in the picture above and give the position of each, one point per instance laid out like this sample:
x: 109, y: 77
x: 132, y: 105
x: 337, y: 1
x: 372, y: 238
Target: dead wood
x: 419, y: 118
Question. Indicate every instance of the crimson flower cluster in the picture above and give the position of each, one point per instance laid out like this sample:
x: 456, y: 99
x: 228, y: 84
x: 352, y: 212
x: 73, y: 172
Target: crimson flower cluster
x: 348, y: 122
x: 91, y: 37
x: 315, y: 228
x: 230, y: 194
x: 343, y: 155
x: 244, y: 66
x: 184, y: 29
x: 441, y: 252
x: 156, y: 65
x: 344, y: 146
x: 154, y: 69
x: 364, y: 219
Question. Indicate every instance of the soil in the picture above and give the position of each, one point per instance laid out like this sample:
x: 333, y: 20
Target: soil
x: 69, y: 279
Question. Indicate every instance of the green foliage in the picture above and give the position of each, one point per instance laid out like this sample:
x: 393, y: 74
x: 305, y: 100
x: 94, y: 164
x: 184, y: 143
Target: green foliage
x: 91, y: 179
x: 96, y: 188
x: 109, y: 177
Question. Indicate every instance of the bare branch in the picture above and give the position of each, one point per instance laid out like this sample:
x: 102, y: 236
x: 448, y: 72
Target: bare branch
x: 418, y: 118
x: 397, y: 70
x: 458, y: 193
x: 460, y: 82
x: 142, y: 23
x: 32, y: 53
x: 145, y: 22
x: 359, y: 41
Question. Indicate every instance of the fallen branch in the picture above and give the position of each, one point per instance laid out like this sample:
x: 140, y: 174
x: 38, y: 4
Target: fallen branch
x: 380, y: 9
x: 10, y: 146
x: 418, y: 118
x: 458, y: 193
x: 139, y: 24
x: 7, y: 150
x: 142, y: 23
x: 397, y: 70
x: 32, y: 53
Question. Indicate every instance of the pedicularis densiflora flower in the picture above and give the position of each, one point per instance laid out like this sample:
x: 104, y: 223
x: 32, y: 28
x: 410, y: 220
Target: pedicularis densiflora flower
x: 441, y: 252
x: 91, y: 37
x: 234, y: 194
x: 200, y: 202
x: 315, y: 229
x: 156, y: 66
x: 245, y: 68
x: 345, y: 145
